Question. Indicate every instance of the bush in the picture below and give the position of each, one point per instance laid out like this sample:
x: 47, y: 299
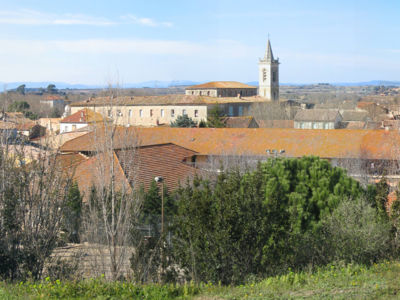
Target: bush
x: 354, y: 232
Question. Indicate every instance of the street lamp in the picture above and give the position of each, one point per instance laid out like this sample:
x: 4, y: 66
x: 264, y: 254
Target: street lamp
x: 159, y: 179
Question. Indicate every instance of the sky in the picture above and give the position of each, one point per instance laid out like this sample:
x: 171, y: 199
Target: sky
x: 128, y: 41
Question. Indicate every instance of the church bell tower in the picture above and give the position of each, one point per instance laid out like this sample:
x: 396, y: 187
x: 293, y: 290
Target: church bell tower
x: 268, y: 76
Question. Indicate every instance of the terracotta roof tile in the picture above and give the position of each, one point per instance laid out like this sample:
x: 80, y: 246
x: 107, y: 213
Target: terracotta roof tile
x: 165, y: 160
x: 240, y: 122
x: 326, y: 115
x: 174, y: 99
x: 374, y: 144
x: 275, y: 123
x: 84, y: 116
x: 221, y: 85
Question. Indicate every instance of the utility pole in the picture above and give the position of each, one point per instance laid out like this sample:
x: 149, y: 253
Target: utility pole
x: 159, y: 179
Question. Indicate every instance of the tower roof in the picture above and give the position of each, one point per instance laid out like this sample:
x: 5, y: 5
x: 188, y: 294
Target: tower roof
x: 268, y: 53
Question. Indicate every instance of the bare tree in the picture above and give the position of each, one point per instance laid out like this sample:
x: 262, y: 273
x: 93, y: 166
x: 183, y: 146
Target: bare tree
x: 33, y: 197
x: 113, y: 206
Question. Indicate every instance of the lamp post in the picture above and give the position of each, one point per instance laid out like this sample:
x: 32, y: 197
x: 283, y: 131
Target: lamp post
x: 159, y: 179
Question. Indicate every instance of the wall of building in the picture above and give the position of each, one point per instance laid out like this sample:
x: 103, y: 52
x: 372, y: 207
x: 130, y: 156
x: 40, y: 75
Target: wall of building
x: 218, y: 92
x: 153, y: 115
x: 67, y: 127
x: 203, y: 92
x: 58, y: 104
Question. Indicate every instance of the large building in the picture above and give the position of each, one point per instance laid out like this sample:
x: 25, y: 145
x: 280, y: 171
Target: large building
x: 222, y: 89
x: 268, y: 75
x: 151, y: 111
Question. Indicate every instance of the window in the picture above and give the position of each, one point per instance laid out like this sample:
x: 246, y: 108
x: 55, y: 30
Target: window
x: 208, y: 93
x: 151, y: 112
x: 196, y: 113
x: 230, y: 111
x: 274, y: 76
x: 141, y: 113
x: 109, y: 113
x: 130, y: 113
x: 264, y: 75
x: 240, y: 110
x: 184, y: 112
x: 119, y: 113
x: 172, y: 113
x: 162, y: 113
x: 73, y: 127
x: 192, y: 92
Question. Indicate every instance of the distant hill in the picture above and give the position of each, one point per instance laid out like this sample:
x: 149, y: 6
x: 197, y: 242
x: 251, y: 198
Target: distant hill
x: 173, y: 83
x: 63, y: 85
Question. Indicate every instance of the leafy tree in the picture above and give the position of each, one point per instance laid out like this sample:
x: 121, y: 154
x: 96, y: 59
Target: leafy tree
x: 183, y: 121
x: 355, y: 232
x: 21, y: 89
x: 51, y: 88
x: 252, y: 223
x: 214, y: 117
x: 31, y: 115
x: 19, y: 106
x: 152, y: 201
x: 202, y: 124
x: 72, y: 214
x: 382, y: 189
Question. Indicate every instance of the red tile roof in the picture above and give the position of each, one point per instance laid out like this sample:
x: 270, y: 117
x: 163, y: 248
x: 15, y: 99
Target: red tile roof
x: 165, y: 160
x: 133, y: 167
x: 240, y: 122
x: 221, y: 85
x: 84, y: 116
x: 275, y: 123
x: 374, y: 144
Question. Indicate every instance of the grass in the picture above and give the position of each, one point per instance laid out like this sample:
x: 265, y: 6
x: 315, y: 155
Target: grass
x: 380, y: 281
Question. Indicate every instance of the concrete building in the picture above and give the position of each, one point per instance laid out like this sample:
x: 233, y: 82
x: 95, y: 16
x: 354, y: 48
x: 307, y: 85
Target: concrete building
x: 162, y: 110
x: 268, y: 75
x: 55, y: 102
x: 317, y: 119
x: 82, y: 118
x: 222, y: 89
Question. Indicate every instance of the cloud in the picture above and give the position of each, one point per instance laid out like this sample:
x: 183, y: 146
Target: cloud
x: 214, y: 50
x: 145, y: 21
x: 33, y: 17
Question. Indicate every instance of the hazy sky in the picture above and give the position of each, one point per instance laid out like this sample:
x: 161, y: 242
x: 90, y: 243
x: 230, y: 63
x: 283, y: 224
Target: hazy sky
x: 94, y: 42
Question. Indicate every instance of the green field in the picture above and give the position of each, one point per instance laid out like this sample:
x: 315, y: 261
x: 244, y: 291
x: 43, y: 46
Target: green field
x: 380, y: 281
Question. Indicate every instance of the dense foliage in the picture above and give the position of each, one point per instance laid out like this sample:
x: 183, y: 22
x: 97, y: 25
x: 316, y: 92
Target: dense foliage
x: 214, y: 118
x: 183, y: 121
x: 263, y: 221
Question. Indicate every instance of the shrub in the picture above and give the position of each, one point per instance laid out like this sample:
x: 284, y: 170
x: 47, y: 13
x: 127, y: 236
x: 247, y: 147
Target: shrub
x: 354, y: 232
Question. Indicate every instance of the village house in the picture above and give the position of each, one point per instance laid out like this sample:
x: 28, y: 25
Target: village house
x: 54, y: 101
x: 52, y: 125
x: 317, y: 119
x: 82, y: 118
